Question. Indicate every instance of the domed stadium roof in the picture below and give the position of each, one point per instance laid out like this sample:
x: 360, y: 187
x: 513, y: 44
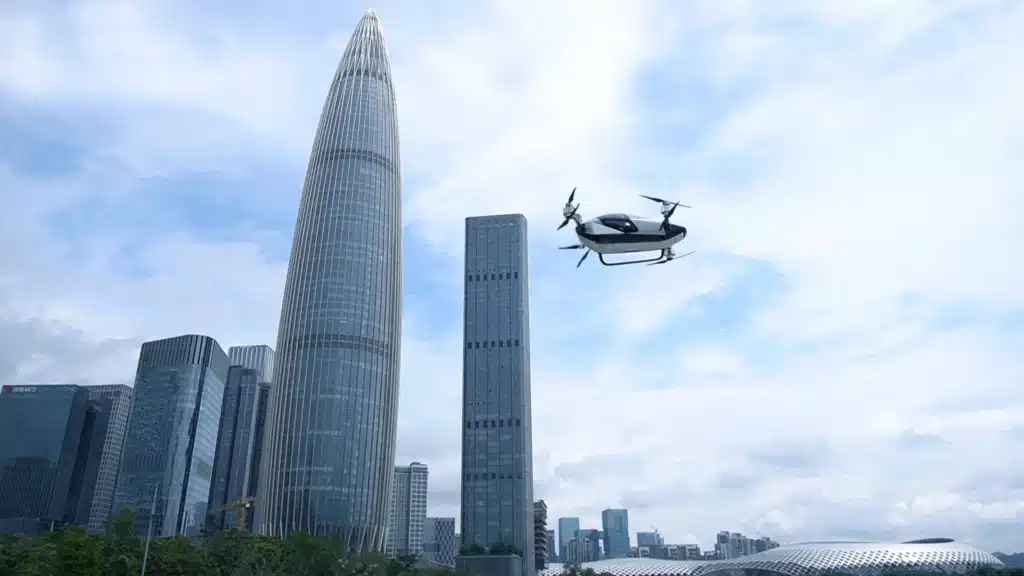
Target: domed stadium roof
x: 812, y: 559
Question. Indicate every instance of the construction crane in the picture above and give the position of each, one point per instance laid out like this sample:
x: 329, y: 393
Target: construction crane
x: 241, y: 508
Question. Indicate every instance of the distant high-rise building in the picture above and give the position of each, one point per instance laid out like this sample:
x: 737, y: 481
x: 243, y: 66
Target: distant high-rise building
x: 408, y: 510
x: 336, y: 370
x: 236, y: 445
x: 120, y: 397
x: 567, y: 528
x: 540, y: 535
x: 552, y: 549
x: 439, y: 541
x: 497, y: 445
x: 172, y: 434
x: 649, y: 539
x: 260, y: 358
x: 615, y: 525
x: 593, y: 539
x: 51, y: 445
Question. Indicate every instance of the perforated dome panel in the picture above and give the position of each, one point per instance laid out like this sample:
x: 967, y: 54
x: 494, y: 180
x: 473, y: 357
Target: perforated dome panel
x: 813, y: 559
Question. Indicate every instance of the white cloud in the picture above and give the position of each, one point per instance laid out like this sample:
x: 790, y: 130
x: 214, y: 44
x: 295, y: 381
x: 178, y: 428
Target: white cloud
x: 865, y: 155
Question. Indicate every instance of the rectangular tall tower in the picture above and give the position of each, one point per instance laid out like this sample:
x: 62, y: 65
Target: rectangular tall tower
x: 615, y: 525
x: 51, y: 441
x: 236, y: 445
x: 497, y: 440
x: 408, y: 510
x: 172, y: 435
x: 567, y: 528
x: 260, y: 358
x: 120, y: 397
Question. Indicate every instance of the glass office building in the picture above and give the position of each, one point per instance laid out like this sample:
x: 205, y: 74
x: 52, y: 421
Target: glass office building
x: 120, y: 397
x: 615, y: 527
x: 236, y: 445
x: 329, y: 446
x: 497, y: 445
x: 260, y: 358
x: 50, y: 439
x: 172, y: 434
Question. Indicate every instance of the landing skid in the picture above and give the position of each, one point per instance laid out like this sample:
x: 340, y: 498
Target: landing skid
x: 663, y: 254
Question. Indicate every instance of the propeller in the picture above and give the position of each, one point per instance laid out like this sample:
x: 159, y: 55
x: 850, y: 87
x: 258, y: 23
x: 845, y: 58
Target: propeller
x: 665, y: 202
x: 572, y: 213
x: 585, y: 254
x: 668, y: 259
x: 667, y: 209
x: 571, y: 247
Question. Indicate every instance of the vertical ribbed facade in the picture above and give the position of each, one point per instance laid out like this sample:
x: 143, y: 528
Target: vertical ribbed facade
x: 329, y: 446
x: 120, y: 397
x: 497, y: 439
x: 172, y: 434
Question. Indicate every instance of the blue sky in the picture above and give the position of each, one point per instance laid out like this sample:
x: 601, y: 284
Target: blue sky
x: 854, y: 171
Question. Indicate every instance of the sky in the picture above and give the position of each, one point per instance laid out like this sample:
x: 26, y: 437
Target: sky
x: 840, y: 358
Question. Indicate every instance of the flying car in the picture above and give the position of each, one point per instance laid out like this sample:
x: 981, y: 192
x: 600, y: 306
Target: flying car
x: 625, y: 234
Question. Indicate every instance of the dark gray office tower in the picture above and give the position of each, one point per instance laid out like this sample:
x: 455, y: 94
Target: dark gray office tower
x: 172, y: 434
x: 260, y: 358
x: 236, y: 445
x: 51, y: 442
x: 332, y: 419
x: 120, y: 397
x: 497, y: 445
x: 615, y: 526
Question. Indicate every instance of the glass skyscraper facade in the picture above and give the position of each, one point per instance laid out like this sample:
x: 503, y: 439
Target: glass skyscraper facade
x: 329, y: 447
x: 259, y: 357
x: 172, y: 434
x: 236, y: 444
x: 615, y: 526
x: 50, y: 437
x: 120, y: 397
x: 567, y: 528
x: 408, y: 510
x: 497, y: 445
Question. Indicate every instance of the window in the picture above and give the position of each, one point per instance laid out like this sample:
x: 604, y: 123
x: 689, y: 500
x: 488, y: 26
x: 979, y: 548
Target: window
x: 492, y: 276
x: 492, y: 424
x: 518, y: 423
x: 517, y: 343
x: 468, y: 424
x: 620, y: 223
x: 485, y: 423
x: 476, y: 424
x: 508, y: 343
x: 469, y: 345
x: 515, y: 274
x: 501, y: 343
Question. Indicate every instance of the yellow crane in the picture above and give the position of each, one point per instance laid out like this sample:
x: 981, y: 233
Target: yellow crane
x: 241, y: 508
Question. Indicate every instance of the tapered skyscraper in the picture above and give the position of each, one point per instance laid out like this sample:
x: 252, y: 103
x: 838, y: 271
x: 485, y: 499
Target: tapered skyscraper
x: 329, y: 449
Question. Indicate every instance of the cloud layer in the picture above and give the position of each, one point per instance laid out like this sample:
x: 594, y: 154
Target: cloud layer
x: 841, y: 358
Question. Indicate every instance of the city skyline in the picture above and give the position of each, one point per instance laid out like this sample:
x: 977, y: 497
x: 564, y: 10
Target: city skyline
x: 332, y: 412
x: 847, y: 326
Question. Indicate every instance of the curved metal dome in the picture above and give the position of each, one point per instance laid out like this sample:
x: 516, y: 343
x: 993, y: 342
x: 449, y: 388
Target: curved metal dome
x: 813, y: 559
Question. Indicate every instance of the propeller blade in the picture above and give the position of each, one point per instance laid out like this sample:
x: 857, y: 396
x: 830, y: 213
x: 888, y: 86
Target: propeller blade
x: 652, y: 198
x: 572, y: 195
x: 660, y: 262
x: 671, y: 211
x: 585, y: 254
x: 572, y: 247
x: 563, y: 224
